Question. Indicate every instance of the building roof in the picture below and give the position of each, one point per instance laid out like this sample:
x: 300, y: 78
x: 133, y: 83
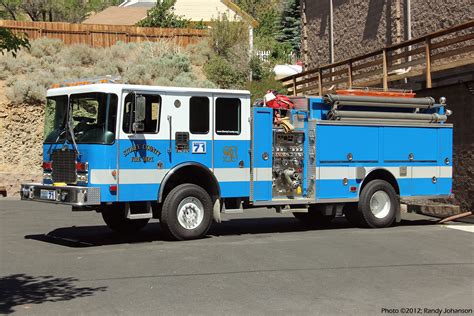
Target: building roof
x: 118, y: 16
x: 132, y: 11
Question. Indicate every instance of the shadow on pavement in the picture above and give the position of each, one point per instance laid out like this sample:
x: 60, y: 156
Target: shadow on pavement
x: 94, y: 236
x: 22, y: 289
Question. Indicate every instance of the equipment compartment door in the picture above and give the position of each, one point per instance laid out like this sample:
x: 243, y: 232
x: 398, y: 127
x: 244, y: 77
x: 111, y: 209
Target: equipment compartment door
x: 262, y: 154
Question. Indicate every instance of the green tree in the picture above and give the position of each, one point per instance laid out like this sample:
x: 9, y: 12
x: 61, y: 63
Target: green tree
x: 9, y: 42
x: 225, y: 74
x: 74, y: 11
x: 227, y: 35
x: 290, y: 25
x: 162, y: 15
x: 10, y: 8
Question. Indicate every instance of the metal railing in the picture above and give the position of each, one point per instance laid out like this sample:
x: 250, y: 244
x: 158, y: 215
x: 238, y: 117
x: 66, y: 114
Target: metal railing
x: 442, y: 50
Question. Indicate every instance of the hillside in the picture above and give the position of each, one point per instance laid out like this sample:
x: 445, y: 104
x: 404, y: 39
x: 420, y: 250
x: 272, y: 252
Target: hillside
x: 25, y: 79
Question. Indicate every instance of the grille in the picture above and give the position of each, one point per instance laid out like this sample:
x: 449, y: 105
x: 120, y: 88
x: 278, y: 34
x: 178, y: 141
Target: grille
x: 64, y: 166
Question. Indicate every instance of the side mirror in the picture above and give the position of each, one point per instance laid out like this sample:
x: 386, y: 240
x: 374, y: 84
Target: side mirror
x: 140, y: 112
x: 138, y: 127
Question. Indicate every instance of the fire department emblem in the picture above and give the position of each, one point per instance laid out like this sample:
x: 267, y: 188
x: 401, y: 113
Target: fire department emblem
x: 230, y: 153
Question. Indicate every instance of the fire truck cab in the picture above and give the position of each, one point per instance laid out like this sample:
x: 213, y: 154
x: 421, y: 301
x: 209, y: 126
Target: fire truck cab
x: 185, y: 155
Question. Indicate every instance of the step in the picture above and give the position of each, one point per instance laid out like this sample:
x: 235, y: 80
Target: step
x: 233, y: 211
x: 147, y: 214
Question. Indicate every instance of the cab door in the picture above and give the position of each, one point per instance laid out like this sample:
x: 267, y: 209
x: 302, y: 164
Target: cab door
x: 142, y: 155
x: 231, y: 134
x: 192, y: 129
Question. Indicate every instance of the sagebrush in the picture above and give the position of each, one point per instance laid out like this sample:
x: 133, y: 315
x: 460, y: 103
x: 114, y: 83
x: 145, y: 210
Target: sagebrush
x: 49, y: 61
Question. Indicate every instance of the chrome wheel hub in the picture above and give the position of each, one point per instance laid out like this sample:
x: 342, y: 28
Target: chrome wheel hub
x: 190, y: 213
x: 380, y: 204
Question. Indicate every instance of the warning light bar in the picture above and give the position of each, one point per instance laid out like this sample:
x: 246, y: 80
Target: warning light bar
x: 83, y: 82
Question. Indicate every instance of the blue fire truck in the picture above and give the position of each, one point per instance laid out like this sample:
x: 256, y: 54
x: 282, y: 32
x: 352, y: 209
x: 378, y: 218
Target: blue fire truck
x: 185, y: 155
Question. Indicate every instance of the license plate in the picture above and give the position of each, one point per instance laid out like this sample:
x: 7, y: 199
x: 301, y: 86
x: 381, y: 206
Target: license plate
x: 48, y: 194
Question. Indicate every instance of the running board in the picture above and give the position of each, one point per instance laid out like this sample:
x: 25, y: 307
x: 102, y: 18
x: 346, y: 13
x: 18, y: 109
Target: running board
x: 148, y: 214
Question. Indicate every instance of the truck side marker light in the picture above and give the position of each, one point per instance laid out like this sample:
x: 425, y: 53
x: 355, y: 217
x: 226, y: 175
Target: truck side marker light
x: 353, y: 189
x: 113, y: 189
x: 82, y: 166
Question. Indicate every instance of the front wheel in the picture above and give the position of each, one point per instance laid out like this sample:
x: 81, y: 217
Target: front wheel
x: 378, y: 204
x: 186, y: 213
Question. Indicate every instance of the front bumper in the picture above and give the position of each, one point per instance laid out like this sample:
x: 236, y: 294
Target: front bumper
x: 69, y: 195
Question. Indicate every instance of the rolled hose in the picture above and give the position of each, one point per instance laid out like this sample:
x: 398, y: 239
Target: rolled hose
x: 431, y: 118
x: 425, y: 103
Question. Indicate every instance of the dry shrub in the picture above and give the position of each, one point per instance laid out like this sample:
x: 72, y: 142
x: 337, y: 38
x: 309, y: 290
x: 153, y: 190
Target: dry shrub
x: 49, y: 61
x: 46, y: 47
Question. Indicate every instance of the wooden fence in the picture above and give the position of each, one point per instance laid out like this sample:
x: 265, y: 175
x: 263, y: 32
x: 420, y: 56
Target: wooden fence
x: 97, y: 35
x: 450, y: 48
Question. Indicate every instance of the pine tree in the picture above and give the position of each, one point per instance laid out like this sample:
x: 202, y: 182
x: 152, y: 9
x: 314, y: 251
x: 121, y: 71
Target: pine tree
x: 290, y: 25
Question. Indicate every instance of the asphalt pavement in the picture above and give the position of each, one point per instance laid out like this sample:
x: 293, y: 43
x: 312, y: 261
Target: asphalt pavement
x: 56, y: 262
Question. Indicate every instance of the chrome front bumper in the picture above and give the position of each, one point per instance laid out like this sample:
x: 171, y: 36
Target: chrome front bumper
x: 68, y: 195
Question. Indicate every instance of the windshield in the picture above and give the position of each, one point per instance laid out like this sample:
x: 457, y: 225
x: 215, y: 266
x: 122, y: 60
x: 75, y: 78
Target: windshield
x: 92, y: 116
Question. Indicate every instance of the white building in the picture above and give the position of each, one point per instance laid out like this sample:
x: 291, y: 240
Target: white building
x: 132, y: 11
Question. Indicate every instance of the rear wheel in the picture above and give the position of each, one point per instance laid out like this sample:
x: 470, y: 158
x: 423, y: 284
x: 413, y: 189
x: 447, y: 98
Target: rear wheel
x: 314, y: 217
x: 114, y: 217
x: 378, y: 204
x: 186, y: 213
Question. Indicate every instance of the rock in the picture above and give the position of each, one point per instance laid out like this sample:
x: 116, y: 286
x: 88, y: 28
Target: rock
x: 436, y: 210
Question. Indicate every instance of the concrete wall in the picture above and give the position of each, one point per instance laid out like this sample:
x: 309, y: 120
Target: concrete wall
x: 361, y: 26
x: 460, y: 99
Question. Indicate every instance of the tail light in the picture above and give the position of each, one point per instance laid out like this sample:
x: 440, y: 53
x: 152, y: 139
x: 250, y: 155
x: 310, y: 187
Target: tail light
x: 47, y: 165
x: 113, y: 188
x: 82, y: 166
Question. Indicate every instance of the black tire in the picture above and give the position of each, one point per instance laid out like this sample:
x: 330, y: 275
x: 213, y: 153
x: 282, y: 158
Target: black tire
x: 114, y: 217
x: 170, y: 224
x: 352, y: 214
x: 314, y: 217
x: 386, y: 217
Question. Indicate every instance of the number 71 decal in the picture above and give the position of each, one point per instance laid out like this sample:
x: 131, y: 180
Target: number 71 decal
x: 199, y: 148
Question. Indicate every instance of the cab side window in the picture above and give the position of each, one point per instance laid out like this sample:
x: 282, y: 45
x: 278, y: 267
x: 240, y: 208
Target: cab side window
x: 152, y: 113
x: 199, y: 115
x: 228, y: 116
